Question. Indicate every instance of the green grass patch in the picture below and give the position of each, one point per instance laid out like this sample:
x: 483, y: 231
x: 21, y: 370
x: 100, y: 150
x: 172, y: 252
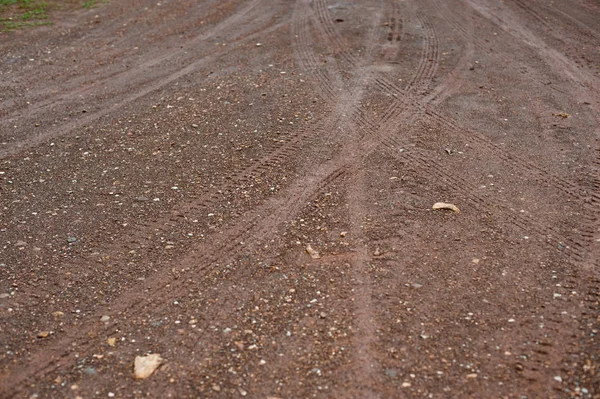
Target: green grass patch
x: 7, y: 26
x: 19, y: 14
x: 90, y: 4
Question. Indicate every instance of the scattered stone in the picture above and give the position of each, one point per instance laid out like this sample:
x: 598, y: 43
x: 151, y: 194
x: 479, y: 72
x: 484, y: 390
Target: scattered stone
x: 391, y: 373
x: 416, y: 285
x: 323, y: 315
x: 377, y: 252
x: 343, y: 233
x: 43, y: 334
x: 4, y: 296
x: 476, y: 261
x: 519, y: 367
x: 144, y: 366
x: 58, y: 314
x: 72, y: 240
x: 313, y: 254
x: 112, y: 341
x: 561, y: 114
x: 406, y: 384
x: 216, y: 388
x: 558, y: 378
x: 242, y: 392
x: 444, y: 205
x: 474, y: 375
x: 105, y: 319
x: 142, y: 199
x: 20, y: 244
x: 195, y: 126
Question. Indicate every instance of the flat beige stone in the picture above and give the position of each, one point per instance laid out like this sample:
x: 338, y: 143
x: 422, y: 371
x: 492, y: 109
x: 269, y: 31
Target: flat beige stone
x: 144, y: 366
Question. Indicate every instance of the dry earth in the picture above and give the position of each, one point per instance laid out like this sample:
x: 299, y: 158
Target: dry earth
x: 165, y: 165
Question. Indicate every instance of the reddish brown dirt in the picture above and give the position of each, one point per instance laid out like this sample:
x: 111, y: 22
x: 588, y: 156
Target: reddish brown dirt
x: 166, y: 164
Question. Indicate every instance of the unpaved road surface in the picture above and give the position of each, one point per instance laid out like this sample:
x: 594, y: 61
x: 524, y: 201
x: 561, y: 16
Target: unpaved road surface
x: 165, y: 166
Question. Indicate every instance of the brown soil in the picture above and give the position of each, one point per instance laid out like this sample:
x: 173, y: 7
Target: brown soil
x: 166, y: 164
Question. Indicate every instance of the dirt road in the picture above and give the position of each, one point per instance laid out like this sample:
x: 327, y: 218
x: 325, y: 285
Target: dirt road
x: 246, y: 189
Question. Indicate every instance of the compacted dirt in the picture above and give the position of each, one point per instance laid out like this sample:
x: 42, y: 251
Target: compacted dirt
x: 246, y: 189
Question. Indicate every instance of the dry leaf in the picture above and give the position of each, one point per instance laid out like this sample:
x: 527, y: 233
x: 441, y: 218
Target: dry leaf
x: 443, y: 205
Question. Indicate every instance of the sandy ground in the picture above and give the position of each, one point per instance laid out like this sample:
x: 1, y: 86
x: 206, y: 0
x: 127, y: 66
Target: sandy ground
x: 246, y: 189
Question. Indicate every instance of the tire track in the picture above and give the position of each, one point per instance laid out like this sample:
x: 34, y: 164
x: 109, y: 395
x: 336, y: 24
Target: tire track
x: 326, y: 24
x: 147, y: 89
x: 551, y: 344
x: 421, y: 80
x: 245, y: 176
x: 590, y: 231
x: 557, y: 61
x: 164, y: 225
x: 261, y: 228
x: 72, y: 87
x: 401, y: 98
x: 589, y: 5
x: 334, y: 92
x: 424, y: 74
x: 465, y: 29
x: 306, y: 58
x: 165, y: 287
x: 337, y: 166
x: 261, y: 223
x: 429, y: 60
x: 394, y: 35
x: 551, y: 21
x: 484, y: 203
x: 479, y: 139
x: 540, y: 175
x: 365, y: 366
